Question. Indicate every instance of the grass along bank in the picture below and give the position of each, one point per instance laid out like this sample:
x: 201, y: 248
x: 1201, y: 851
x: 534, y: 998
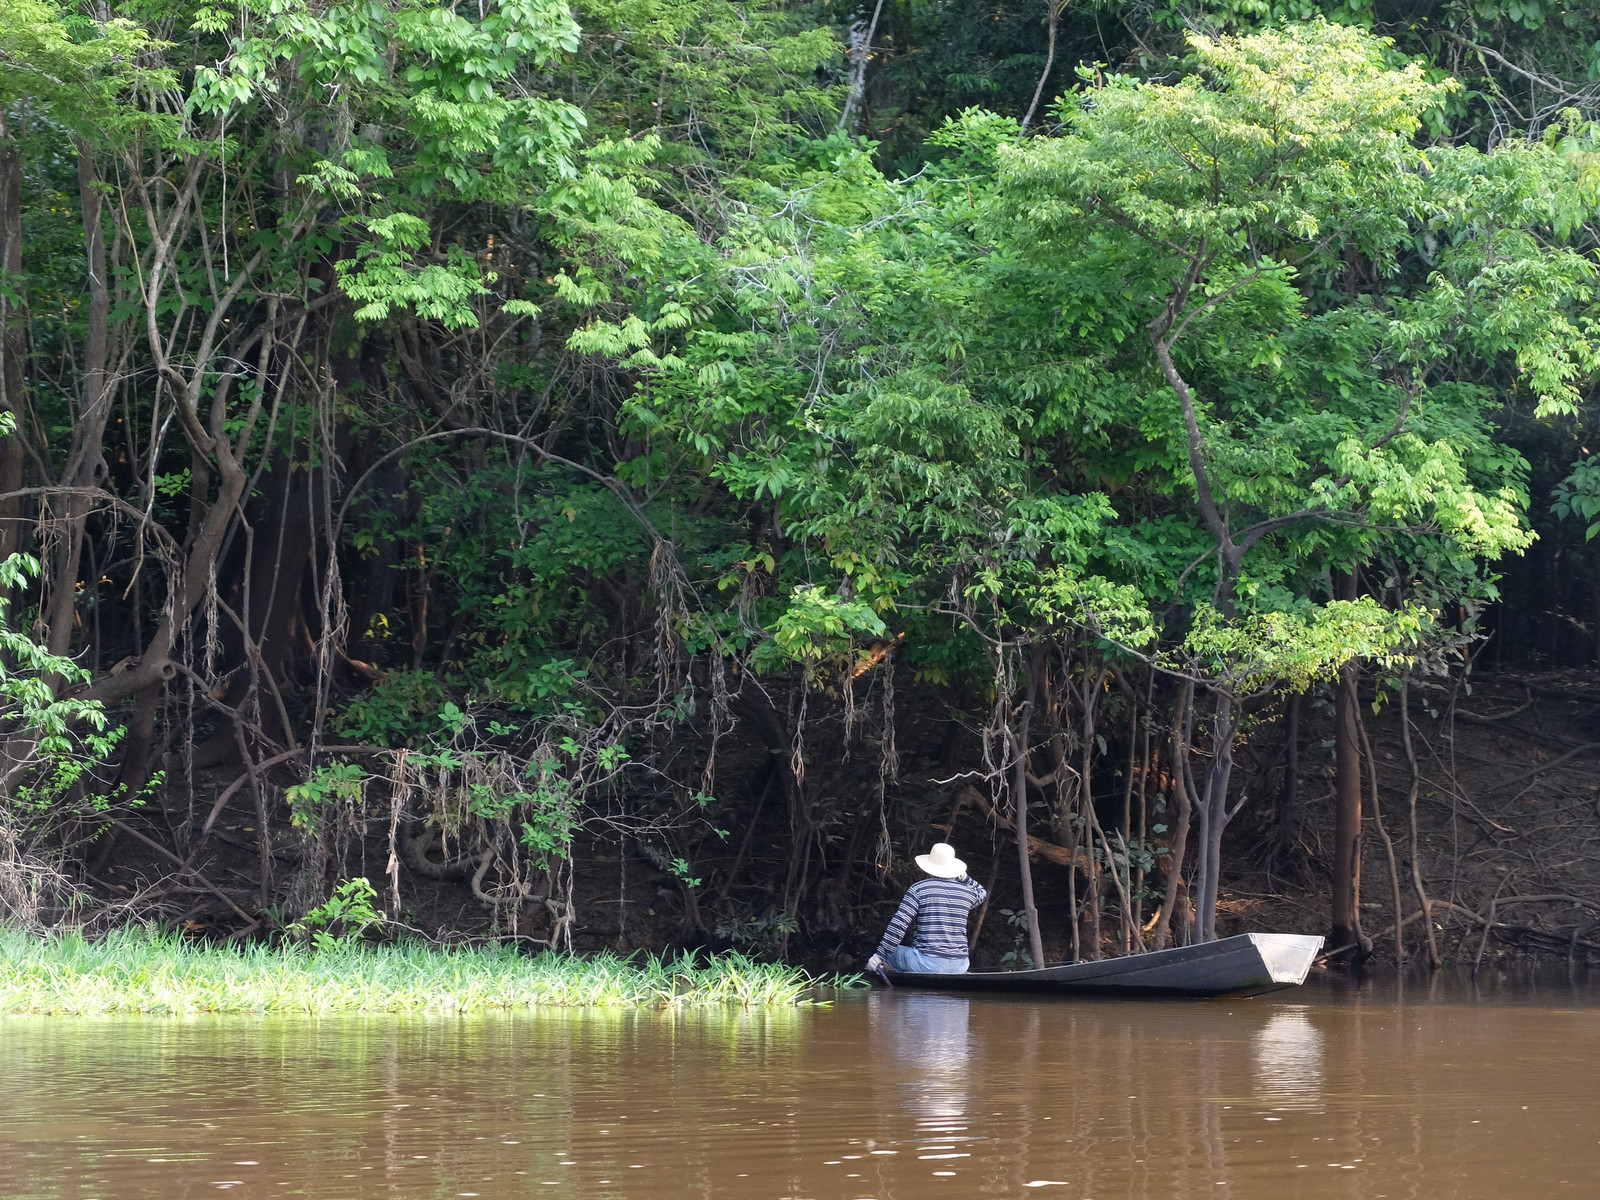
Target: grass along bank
x: 137, y: 972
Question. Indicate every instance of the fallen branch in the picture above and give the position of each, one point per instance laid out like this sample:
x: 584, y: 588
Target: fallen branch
x: 299, y: 752
x: 1491, y: 718
x: 1388, y: 930
x: 1521, y: 937
x: 1037, y: 847
x: 182, y: 866
x: 1586, y: 748
x: 1556, y: 898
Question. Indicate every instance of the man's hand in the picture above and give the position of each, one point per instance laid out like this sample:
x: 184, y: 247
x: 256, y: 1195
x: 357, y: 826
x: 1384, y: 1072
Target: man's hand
x: 876, y: 963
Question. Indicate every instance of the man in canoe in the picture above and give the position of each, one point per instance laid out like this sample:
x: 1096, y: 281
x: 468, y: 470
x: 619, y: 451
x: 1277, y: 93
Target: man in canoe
x: 939, y: 904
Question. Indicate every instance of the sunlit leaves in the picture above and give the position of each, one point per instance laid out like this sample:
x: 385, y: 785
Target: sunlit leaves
x: 385, y: 275
x: 1237, y: 200
x: 1296, y: 647
x: 444, y: 110
x: 816, y: 624
x: 78, y: 69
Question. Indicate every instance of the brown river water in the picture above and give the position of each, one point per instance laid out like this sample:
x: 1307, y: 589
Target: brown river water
x: 1441, y: 1092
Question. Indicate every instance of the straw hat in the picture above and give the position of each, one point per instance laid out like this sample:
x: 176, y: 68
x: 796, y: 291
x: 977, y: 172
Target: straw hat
x: 942, y: 861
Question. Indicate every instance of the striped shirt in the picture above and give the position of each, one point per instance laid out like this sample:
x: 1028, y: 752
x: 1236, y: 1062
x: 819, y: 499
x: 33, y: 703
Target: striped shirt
x: 940, y: 908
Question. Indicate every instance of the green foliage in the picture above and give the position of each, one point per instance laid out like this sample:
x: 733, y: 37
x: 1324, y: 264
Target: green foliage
x: 403, y: 708
x: 335, y: 783
x: 1275, y: 131
x: 764, y: 933
x: 723, y: 84
x: 1296, y: 648
x: 75, y: 66
x: 1578, y: 495
x: 134, y: 972
x: 1017, y: 958
x: 342, y: 920
x: 385, y: 276
x: 952, y: 377
x: 551, y: 807
x: 816, y: 624
x: 434, y: 104
x: 60, y: 738
x: 614, y: 355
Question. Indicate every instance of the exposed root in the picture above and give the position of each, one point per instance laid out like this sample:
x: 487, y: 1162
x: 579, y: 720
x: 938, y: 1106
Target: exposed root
x: 415, y: 849
x: 34, y: 891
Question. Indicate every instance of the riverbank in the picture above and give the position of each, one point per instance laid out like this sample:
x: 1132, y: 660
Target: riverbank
x: 135, y: 972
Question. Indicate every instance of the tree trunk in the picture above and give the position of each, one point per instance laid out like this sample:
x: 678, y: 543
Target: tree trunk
x: 84, y: 463
x: 1213, y: 806
x: 1019, y: 799
x: 1346, y: 925
x: 13, y: 345
x: 1093, y: 932
x: 1180, y: 832
x: 1286, y: 831
x: 1053, y: 15
x: 1594, y: 606
x: 1388, y: 844
x: 1434, y: 958
x: 860, y: 51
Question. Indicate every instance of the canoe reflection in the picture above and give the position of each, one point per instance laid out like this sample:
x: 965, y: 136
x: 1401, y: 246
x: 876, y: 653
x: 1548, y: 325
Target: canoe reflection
x: 1286, y: 1055
x: 922, y: 1053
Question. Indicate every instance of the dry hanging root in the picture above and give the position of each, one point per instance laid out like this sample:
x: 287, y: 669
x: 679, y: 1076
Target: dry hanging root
x: 848, y: 690
x: 888, y: 769
x: 667, y: 580
x: 512, y: 895
x: 399, y: 793
x: 720, y: 722
x: 889, y: 759
x: 31, y: 887
x: 797, y: 748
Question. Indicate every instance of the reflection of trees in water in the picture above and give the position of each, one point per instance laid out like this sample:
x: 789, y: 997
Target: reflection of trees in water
x: 1122, y: 1101
x: 732, y: 1068
x: 1154, y: 1101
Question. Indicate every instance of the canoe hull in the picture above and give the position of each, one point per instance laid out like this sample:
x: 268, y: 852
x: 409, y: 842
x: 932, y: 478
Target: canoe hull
x: 1248, y: 964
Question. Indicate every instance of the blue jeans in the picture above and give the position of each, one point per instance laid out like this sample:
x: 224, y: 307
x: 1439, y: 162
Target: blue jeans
x: 909, y: 958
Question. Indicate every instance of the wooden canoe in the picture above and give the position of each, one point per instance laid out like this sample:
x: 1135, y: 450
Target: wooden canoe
x: 1245, y: 965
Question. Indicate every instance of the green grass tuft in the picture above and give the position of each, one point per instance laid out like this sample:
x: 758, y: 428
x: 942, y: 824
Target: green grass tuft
x: 136, y: 972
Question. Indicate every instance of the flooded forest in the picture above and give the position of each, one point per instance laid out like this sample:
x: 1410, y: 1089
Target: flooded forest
x: 632, y: 474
